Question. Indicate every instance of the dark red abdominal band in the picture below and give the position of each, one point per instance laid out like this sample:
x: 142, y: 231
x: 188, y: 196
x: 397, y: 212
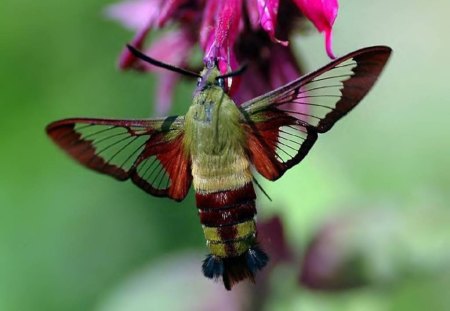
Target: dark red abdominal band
x: 225, y: 209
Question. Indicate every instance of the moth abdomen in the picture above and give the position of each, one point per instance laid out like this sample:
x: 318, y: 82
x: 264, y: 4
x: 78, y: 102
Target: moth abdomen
x: 228, y: 220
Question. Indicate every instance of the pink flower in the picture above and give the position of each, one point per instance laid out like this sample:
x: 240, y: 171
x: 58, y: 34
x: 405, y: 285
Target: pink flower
x: 322, y: 13
x: 268, y: 11
x: 375, y: 246
x: 231, y: 33
x: 229, y: 15
x: 220, y: 32
x: 173, y: 47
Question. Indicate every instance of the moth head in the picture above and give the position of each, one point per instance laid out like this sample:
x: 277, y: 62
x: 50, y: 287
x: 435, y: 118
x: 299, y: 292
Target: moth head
x: 210, y: 75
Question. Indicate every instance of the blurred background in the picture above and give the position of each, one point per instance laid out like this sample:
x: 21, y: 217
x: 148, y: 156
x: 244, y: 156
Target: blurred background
x: 365, y: 217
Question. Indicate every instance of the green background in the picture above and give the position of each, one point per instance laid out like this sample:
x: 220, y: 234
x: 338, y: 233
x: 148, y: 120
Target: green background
x: 70, y: 237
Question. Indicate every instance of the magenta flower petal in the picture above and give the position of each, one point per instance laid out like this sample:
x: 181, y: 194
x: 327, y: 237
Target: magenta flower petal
x: 253, y: 14
x: 268, y: 11
x: 220, y: 49
x: 228, y: 23
x: 322, y: 13
x: 208, y: 26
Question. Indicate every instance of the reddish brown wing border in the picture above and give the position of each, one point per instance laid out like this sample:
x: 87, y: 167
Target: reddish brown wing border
x: 370, y: 62
x: 169, y: 152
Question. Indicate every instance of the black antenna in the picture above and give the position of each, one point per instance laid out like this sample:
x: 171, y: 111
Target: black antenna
x: 233, y: 73
x: 157, y: 63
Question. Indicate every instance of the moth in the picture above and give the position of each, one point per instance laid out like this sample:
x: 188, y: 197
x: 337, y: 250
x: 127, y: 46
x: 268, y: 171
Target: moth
x: 217, y: 143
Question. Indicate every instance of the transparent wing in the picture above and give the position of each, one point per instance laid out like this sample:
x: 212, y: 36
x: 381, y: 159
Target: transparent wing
x: 307, y: 106
x: 121, y: 148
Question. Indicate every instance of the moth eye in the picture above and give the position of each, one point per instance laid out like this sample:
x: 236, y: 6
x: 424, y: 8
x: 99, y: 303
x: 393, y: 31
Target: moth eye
x: 199, y: 80
x: 221, y: 82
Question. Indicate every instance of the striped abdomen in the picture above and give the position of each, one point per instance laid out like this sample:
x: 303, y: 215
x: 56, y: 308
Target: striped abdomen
x: 226, y: 204
x: 228, y: 220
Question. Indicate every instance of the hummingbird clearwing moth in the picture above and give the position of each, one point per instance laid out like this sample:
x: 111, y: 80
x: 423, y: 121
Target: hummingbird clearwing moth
x: 214, y: 146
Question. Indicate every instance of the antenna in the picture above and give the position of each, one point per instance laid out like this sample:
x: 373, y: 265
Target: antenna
x: 157, y: 63
x: 233, y: 73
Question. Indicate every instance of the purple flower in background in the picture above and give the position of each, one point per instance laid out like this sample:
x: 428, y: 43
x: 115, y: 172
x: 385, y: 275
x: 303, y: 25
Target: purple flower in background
x: 328, y: 264
x: 272, y: 237
x: 232, y: 32
x: 376, y: 246
x: 173, y: 47
x: 219, y: 34
x: 322, y: 13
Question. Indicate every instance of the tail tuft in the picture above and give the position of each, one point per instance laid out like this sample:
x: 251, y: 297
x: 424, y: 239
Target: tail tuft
x: 235, y: 269
x: 212, y: 267
x: 256, y: 259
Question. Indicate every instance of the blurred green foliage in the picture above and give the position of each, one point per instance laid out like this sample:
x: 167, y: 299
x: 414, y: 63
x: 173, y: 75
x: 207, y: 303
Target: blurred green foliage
x: 69, y: 236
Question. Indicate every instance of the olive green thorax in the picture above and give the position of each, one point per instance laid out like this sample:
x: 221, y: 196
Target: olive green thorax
x: 214, y: 137
x: 212, y: 124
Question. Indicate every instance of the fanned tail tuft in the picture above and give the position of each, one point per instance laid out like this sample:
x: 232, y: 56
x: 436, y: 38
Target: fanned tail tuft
x: 256, y: 259
x: 212, y: 267
x: 235, y: 269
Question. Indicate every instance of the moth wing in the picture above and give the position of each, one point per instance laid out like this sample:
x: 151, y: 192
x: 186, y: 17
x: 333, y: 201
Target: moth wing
x: 149, y: 152
x: 283, y: 125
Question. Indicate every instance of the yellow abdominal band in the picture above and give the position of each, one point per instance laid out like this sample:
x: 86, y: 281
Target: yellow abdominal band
x: 230, y: 241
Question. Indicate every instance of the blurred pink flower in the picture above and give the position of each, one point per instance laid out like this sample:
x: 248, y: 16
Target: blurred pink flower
x: 322, y: 13
x: 376, y: 246
x: 173, y: 47
x: 228, y: 32
x: 268, y: 11
x: 272, y: 238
